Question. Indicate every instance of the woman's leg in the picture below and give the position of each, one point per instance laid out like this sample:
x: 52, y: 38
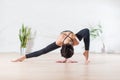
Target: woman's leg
x: 45, y: 50
x: 85, y: 35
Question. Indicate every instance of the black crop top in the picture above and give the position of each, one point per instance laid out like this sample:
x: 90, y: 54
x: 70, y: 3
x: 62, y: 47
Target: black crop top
x: 67, y: 36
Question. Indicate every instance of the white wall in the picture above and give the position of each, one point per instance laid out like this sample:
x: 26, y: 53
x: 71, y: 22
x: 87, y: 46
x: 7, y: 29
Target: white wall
x: 50, y: 17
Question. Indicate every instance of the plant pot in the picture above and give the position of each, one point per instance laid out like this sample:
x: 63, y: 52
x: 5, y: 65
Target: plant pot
x: 29, y: 45
x: 22, y: 51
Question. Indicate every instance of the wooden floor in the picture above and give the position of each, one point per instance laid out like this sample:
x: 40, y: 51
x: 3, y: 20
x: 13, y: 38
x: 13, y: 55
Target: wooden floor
x: 102, y: 67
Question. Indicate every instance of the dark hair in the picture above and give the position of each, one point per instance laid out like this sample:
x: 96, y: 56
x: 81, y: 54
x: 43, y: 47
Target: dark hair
x: 67, y: 50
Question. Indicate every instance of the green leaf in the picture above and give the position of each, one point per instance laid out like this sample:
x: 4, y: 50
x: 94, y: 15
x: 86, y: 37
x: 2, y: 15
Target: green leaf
x: 24, y: 35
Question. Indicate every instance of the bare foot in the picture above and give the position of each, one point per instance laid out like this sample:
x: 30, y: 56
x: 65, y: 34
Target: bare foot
x: 87, y: 62
x: 86, y: 54
x: 19, y: 59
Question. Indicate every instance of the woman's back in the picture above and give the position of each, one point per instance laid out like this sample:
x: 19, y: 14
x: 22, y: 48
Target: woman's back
x: 66, y: 37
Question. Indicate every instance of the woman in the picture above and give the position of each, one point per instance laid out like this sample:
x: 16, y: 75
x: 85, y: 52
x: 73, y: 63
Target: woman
x: 66, y: 39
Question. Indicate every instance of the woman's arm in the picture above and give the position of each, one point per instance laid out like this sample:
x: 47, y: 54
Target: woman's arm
x: 59, y: 40
x: 75, y: 40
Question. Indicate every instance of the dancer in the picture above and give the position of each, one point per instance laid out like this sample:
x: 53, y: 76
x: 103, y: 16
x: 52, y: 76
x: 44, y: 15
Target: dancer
x: 66, y: 40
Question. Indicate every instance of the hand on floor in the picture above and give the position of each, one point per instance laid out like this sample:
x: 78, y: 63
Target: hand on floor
x: 68, y: 61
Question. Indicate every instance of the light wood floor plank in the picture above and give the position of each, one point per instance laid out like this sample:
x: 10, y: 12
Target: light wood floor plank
x: 102, y: 67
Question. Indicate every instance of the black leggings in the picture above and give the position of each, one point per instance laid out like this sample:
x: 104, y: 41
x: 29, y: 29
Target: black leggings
x: 84, y: 33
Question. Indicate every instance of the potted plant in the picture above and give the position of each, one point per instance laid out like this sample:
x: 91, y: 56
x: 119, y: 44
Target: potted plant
x: 97, y: 32
x: 24, y: 35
